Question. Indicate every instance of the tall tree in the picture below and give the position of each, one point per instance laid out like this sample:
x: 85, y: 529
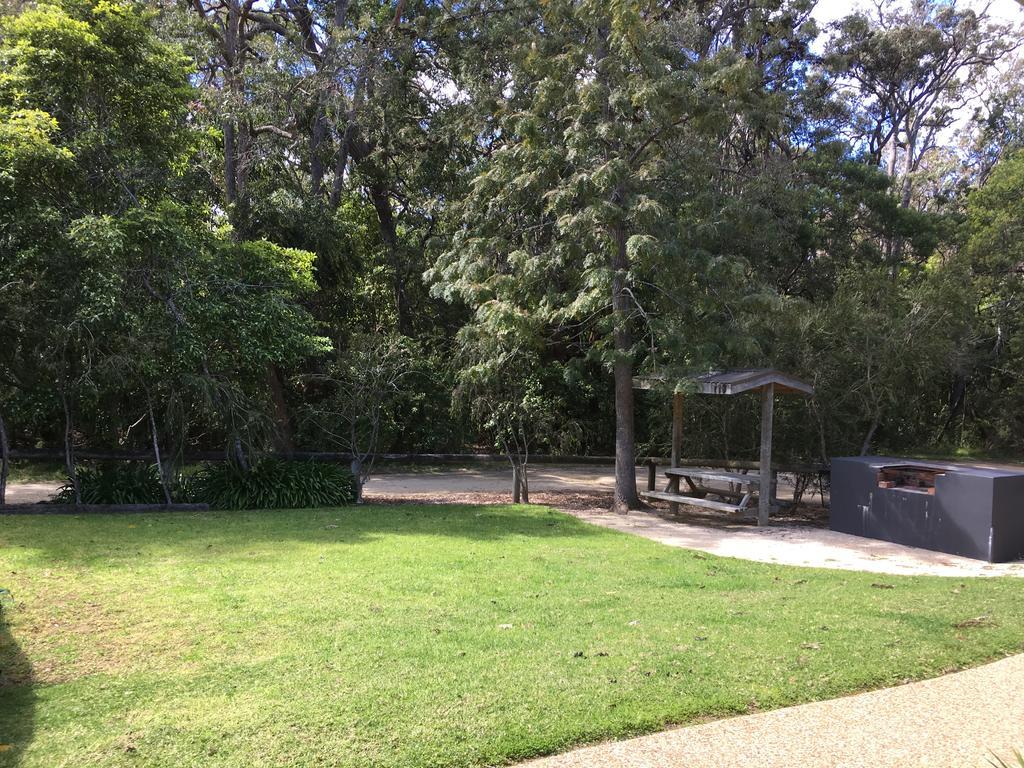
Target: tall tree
x: 322, y: 101
x: 607, y: 127
x: 106, y: 248
x: 995, y: 255
x: 912, y: 70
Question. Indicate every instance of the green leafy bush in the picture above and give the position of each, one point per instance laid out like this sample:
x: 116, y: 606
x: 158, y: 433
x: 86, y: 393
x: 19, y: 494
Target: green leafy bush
x: 110, y: 483
x: 273, y: 484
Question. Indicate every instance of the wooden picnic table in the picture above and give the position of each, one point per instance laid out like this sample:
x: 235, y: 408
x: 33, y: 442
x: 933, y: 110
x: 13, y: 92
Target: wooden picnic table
x: 696, y: 479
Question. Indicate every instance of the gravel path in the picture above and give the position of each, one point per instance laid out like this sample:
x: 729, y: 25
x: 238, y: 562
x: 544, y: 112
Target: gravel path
x: 796, y: 545
x: 957, y: 721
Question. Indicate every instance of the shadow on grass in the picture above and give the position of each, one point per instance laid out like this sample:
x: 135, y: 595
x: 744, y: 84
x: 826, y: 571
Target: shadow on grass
x: 17, y: 698
x: 80, y: 538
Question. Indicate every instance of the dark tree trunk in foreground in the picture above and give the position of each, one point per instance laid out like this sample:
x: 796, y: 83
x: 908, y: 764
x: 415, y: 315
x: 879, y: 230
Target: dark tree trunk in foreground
x: 520, y: 483
x: 5, y: 460
x: 626, y: 497
x: 284, y: 434
x: 389, y: 234
x: 239, y: 452
x: 865, y: 447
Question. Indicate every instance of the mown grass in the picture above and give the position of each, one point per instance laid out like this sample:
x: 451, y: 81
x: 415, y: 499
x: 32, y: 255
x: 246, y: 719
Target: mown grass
x: 429, y: 636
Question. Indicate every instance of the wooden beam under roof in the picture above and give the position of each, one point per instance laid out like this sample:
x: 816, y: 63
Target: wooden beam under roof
x: 733, y: 382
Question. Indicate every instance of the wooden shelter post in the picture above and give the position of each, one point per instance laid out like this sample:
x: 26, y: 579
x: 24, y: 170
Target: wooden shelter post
x: 764, y: 497
x: 677, y: 445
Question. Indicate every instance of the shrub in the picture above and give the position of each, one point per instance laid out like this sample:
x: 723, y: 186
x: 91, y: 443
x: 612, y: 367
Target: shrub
x: 272, y: 484
x: 114, y: 483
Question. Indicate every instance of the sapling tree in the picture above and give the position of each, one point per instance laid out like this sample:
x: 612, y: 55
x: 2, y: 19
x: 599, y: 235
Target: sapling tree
x: 357, y: 396
x: 506, y: 387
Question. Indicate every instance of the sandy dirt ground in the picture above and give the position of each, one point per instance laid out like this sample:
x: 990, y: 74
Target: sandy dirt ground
x: 439, y: 483
x: 962, y: 720
x: 30, y: 493
x: 797, y: 537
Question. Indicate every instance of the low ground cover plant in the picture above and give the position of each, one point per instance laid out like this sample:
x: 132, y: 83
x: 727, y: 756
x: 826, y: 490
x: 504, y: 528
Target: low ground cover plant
x: 267, y: 484
x: 272, y: 484
x: 131, y: 482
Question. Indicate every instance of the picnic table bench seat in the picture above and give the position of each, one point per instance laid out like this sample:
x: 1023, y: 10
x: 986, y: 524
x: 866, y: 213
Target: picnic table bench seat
x: 696, y: 501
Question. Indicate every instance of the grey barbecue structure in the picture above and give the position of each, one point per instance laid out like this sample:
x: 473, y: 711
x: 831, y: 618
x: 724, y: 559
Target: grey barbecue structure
x: 973, y: 510
x: 768, y: 383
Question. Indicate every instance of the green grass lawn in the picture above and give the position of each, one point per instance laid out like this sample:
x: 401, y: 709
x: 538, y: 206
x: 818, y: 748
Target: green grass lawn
x: 429, y: 636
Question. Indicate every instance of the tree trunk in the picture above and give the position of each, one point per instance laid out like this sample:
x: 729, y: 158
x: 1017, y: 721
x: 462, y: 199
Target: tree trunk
x: 5, y: 460
x: 156, y: 454
x: 239, y: 451
x: 237, y: 133
x: 909, y: 164
x: 625, y: 439
x: 69, y: 449
x: 520, y: 483
x: 893, y: 155
x: 957, y: 400
x: 284, y: 437
x: 866, y: 445
x: 230, y: 164
x: 241, y: 218
x: 389, y: 234
x: 625, y: 497
x: 356, y: 468
x: 317, y: 166
x: 338, y: 182
x: 906, y: 194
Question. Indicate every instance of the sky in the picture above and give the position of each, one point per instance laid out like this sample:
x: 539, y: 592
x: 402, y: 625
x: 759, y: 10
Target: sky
x: 1005, y: 10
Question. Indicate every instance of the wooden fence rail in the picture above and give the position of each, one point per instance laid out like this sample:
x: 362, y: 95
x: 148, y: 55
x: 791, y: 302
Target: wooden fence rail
x: 419, y: 458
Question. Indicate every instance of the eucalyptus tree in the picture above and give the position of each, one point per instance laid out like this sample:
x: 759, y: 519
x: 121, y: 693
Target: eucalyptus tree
x: 995, y: 253
x: 610, y: 124
x: 908, y: 72
x: 998, y: 122
x: 325, y: 107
